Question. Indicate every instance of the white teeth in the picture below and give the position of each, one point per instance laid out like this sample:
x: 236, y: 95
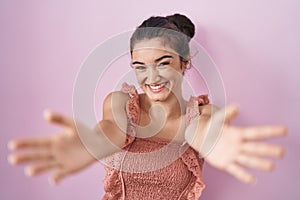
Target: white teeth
x: 156, y: 87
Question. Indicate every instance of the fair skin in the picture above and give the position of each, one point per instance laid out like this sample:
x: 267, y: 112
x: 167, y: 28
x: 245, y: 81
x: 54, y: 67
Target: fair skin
x: 162, y: 101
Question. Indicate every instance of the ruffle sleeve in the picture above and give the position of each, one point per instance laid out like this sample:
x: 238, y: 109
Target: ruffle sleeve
x: 133, y: 112
x: 195, y: 165
x: 191, y: 157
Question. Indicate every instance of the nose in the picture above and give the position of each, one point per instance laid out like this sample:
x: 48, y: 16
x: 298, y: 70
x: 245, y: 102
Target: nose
x: 153, y: 75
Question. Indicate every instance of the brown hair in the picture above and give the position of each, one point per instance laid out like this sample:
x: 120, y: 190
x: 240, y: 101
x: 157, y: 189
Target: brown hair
x: 174, y: 30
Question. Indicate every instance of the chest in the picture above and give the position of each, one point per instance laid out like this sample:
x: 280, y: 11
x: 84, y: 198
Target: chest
x: 156, y: 125
x: 173, y: 177
x: 155, y: 163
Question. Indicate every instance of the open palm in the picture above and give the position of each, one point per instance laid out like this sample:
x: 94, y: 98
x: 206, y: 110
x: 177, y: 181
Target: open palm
x: 233, y: 149
x: 63, y: 151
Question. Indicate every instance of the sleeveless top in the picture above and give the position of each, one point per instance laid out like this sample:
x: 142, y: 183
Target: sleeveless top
x: 154, y: 168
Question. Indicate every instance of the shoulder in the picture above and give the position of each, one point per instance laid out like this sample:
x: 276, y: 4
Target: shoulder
x: 116, y: 97
x: 205, y: 108
x: 115, y: 102
x: 208, y: 109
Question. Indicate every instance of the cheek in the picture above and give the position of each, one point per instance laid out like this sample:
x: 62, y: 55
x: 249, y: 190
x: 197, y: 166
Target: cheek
x: 168, y: 74
x: 140, y: 78
x: 172, y: 74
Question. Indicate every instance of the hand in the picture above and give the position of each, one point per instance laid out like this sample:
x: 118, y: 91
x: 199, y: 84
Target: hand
x: 62, y: 151
x: 238, y: 147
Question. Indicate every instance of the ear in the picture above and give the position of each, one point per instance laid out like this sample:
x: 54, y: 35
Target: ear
x: 184, y: 65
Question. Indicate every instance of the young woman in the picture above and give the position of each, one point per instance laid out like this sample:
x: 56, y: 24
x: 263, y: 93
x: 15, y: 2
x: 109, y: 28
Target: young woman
x: 153, y: 143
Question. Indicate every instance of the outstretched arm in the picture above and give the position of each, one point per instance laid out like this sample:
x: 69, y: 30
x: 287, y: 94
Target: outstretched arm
x: 231, y: 148
x: 72, y: 149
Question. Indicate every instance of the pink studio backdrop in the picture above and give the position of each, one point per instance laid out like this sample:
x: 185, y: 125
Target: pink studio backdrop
x: 255, y: 44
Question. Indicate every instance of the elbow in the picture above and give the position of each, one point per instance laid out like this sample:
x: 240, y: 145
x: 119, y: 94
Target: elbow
x: 112, y: 133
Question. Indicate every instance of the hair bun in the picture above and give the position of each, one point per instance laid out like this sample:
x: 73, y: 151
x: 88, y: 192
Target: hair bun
x: 184, y: 24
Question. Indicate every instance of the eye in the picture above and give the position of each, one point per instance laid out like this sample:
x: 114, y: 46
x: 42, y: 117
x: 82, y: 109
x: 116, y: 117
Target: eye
x: 163, y: 64
x: 140, y: 67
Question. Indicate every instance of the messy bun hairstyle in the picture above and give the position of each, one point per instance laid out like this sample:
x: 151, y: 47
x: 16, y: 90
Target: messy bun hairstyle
x: 175, y: 31
x: 184, y: 24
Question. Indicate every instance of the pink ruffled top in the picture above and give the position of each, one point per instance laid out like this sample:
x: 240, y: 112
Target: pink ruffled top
x: 154, y: 168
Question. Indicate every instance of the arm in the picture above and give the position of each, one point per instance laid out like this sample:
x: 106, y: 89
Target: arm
x: 231, y: 148
x: 198, y: 128
x: 72, y: 149
x: 112, y: 129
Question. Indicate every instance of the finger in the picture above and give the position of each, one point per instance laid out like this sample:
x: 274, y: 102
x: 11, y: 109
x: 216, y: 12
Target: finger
x: 240, y: 173
x: 263, y: 132
x: 263, y: 149
x: 255, y: 162
x: 231, y: 112
x: 58, y: 176
x: 29, y: 143
x: 41, y: 168
x: 58, y: 119
x: 29, y: 157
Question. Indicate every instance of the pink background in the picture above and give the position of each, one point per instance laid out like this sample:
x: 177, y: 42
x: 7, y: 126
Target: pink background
x: 255, y: 44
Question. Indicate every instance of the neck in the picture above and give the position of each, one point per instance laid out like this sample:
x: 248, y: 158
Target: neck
x: 173, y: 107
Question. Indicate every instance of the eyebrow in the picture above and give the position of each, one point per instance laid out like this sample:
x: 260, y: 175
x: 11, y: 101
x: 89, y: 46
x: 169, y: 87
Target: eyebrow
x: 156, y: 60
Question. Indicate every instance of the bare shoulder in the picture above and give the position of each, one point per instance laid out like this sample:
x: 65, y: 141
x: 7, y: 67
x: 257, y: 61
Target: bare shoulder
x: 208, y: 109
x: 115, y: 100
x: 115, y: 104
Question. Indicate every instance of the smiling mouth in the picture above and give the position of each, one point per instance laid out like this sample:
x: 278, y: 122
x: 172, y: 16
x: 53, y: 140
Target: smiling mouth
x: 155, y: 88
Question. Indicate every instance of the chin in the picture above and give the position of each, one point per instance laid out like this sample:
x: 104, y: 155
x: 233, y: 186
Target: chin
x: 158, y: 98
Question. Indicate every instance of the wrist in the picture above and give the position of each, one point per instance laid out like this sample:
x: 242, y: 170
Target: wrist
x: 197, y: 131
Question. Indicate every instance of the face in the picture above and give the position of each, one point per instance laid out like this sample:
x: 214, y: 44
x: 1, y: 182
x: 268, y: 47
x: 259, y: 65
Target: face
x: 158, y: 69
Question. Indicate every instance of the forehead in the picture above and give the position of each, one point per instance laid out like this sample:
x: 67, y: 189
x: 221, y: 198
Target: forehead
x: 151, y: 49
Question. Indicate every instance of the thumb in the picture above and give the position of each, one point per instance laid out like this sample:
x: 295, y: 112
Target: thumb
x: 231, y: 112
x: 226, y: 114
x: 57, y: 118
